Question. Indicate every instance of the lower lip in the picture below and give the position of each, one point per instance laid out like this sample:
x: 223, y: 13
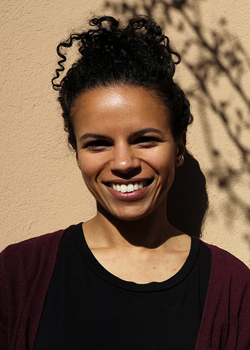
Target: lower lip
x: 128, y: 196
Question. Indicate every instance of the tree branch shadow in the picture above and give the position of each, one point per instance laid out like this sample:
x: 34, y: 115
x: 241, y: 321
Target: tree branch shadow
x: 215, y: 61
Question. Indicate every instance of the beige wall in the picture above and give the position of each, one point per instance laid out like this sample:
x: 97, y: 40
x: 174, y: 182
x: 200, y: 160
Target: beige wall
x: 41, y: 187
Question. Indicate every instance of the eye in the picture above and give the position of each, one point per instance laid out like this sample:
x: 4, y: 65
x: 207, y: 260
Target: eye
x: 147, y: 141
x: 97, y: 145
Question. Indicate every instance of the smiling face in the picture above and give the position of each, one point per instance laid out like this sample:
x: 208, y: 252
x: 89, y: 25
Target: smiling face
x: 125, y: 150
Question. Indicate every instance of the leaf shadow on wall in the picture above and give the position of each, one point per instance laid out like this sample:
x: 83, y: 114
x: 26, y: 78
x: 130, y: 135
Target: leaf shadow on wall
x: 216, y: 63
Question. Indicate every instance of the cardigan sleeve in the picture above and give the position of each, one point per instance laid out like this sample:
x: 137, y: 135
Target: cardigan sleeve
x: 3, y: 310
x: 25, y: 272
x: 226, y: 316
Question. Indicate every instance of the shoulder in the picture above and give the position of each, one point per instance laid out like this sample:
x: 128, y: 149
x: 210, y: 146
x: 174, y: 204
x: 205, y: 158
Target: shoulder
x: 226, y: 268
x: 226, y: 316
x: 27, y: 267
x: 25, y: 272
x: 33, y: 251
x: 229, y: 260
x: 35, y: 241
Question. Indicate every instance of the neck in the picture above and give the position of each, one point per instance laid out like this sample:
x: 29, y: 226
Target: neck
x: 149, y: 232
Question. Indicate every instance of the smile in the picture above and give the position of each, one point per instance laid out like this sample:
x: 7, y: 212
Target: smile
x: 131, y: 187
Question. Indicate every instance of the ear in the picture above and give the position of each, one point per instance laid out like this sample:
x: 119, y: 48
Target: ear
x: 180, y: 150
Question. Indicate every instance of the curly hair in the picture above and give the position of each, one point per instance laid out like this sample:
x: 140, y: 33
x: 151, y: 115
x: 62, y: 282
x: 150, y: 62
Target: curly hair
x: 138, y: 54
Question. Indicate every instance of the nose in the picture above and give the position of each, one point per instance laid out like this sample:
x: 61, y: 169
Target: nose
x: 124, y: 160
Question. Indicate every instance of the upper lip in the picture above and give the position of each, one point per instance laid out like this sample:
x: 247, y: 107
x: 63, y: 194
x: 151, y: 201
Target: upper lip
x: 127, y: 182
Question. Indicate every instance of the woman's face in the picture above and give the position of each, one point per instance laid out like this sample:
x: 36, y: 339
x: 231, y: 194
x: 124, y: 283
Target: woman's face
x: 125, y: 149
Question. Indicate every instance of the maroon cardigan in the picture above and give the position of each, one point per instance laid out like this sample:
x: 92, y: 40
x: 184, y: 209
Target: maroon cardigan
x: 26, y: 269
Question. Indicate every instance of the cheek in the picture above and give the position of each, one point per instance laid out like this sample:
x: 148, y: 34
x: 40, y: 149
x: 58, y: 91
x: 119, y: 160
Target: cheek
x: 86, y: 166
x: 90, y: 167
x: 164, y: 161
x: 166, y: 171
x: 87, y: 173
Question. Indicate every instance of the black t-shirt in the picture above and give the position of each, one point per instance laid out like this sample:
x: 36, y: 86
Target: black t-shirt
x: 87, y: 307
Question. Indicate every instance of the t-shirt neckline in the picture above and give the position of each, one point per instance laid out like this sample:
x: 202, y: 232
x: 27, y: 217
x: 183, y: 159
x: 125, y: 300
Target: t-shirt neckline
x: 90, y: 260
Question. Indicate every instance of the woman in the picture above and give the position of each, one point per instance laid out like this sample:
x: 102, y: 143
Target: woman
x: 126, y: 279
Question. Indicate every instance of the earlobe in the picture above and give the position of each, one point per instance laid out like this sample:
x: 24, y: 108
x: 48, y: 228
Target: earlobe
x: 179, y: 161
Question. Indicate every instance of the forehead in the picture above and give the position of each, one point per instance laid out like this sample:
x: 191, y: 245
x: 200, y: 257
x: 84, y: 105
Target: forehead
x: 118, y: 106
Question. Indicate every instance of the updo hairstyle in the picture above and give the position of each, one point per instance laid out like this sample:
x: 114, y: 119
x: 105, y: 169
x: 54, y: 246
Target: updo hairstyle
x: 138, y: 54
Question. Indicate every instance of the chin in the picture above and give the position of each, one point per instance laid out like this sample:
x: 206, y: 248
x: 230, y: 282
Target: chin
x: 129, y: 215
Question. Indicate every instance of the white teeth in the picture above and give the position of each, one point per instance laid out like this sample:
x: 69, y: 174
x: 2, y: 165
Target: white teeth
x: 123, y: 189
x: 128, y: 188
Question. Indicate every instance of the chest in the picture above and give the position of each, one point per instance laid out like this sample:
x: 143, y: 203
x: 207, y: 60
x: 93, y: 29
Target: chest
x: 88, y: 307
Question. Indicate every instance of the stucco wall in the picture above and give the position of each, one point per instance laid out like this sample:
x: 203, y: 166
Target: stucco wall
x: 41, y: 187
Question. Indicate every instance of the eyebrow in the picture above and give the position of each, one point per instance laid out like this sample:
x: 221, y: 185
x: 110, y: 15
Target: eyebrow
x: 92, y: 136
x: 136, y: 133
x: 144, y: 131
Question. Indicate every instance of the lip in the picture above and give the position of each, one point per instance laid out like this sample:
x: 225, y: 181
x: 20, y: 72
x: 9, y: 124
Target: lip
x: 128, y: 196
x: 127, y: 182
